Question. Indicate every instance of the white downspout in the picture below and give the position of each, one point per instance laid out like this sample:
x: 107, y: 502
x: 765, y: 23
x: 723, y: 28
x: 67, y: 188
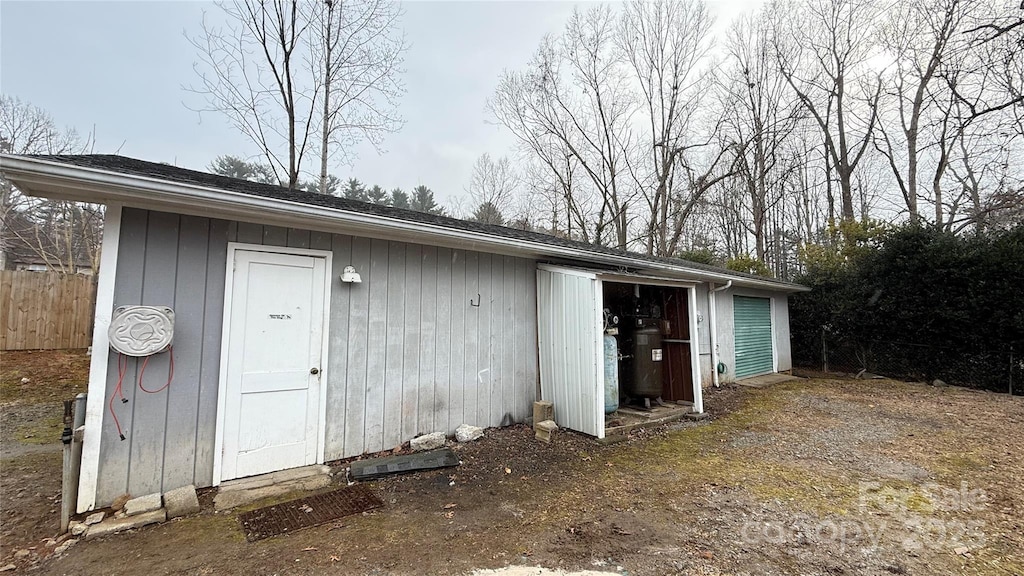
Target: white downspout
x: 713, y: 326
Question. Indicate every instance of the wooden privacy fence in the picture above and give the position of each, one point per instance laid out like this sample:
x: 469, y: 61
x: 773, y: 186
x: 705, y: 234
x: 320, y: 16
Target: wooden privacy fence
x: 45, y: 310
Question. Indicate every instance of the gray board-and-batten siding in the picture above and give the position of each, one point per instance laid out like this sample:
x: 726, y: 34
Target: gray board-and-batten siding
x: 412, y: 349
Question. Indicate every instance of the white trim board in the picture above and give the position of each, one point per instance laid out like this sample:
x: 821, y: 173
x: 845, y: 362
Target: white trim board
x: 772, y: 311
x: 599, y: 359
x: 568, y: 270
x: 96, y: 405
x: 620, y: 277
x: 328, y: 256
x: 698, y: 389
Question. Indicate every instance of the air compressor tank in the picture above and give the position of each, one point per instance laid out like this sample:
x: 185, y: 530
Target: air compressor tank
x: 611, y: 374
x: 647, y: 363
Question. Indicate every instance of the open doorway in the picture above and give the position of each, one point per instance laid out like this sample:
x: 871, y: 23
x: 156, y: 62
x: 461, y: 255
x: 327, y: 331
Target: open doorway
x: 648, y: 357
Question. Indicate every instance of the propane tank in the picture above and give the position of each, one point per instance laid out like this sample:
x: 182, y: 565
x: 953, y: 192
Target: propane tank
x: 611, y: 374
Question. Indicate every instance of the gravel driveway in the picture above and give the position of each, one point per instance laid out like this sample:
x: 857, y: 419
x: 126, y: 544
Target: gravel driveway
x: 816, y: 476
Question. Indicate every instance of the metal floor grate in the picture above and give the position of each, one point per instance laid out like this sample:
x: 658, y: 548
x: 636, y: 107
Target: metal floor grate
x: 306, y: 512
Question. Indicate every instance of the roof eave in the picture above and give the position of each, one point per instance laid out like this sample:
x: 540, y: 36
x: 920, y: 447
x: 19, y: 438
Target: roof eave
x: 46, y: 178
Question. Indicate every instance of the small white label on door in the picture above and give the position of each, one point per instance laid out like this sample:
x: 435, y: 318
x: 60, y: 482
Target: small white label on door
x: 656, y: 355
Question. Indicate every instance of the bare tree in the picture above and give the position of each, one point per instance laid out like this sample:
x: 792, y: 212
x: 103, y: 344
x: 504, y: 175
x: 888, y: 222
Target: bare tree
x: 288, y: 74
x: 65, y: 236
x: 494, y: 183
x: 983, y: 178
x: 1008, y: 21
x: 598, y: 115
x: 575, y: 107
x: 699, y: 174
x: 919, y: 35
x: 666, y: 45
x: 523, y: 105
x: 982, y: 122
x: 358, y: 54
x: 819, y: 110
x: 762, y: 118
x: 250, y: 70
x: 550, y: 201
x: 822, y: 50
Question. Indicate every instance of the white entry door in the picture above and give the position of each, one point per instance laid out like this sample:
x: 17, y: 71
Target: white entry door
x: 275, y: 335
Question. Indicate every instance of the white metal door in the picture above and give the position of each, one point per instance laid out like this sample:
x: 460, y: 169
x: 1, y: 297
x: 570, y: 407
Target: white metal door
x: 570, y: 339
x: 272, y: 393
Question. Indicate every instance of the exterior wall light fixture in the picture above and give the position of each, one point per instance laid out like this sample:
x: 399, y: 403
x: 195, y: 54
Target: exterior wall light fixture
x: 350, y: 276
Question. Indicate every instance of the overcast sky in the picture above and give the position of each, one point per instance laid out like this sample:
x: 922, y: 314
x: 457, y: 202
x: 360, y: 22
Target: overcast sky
x: 120, y: 67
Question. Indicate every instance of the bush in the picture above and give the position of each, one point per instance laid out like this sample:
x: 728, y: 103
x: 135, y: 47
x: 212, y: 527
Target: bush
x: 748, y: 265
x: 919, y: 303
x: 699, y: 255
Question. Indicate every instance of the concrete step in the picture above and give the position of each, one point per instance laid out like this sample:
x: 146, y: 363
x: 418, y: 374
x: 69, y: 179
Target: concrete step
x: 278, y: 477
x: 236, y: 496
x: 113, y: 525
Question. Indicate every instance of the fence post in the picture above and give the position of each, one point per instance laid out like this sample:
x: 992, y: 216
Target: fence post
x: 824, y: 352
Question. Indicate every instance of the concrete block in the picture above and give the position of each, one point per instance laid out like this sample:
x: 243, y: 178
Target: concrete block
x: 544, y: 429
x: 94, y: 518
x: 468, y: 433
x: 227, y: 499
x: 542, y: 411
x: 181, y: 501
x: 64, y: 547
x: 143, y: 504
x: 114, y: 525
x: 428, y: 441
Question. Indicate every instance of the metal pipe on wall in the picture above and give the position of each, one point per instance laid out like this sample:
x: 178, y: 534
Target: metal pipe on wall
x: 72, y: 439
x: 713, y: 327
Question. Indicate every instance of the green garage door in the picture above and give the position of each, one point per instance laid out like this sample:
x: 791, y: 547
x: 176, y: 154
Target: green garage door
x: 753, y: 325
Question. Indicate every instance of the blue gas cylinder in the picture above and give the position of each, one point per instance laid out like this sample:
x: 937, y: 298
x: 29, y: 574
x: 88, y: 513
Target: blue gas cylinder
x: 611, y: 374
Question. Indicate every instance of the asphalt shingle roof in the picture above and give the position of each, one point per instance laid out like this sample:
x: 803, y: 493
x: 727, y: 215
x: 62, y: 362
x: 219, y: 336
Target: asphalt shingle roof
x: 132, y: 166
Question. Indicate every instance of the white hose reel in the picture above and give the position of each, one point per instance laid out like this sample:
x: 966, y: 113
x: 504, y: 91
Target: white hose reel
x: 141, y: 330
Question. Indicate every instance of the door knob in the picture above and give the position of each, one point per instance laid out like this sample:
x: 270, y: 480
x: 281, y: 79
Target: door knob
x: 314, y: 370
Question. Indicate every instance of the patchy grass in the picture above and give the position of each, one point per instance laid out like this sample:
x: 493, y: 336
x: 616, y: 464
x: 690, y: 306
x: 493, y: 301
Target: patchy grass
x: 675, y: 499
x: 53, y: 375
x: 44, y: 430
x: 698, y: 456
x: 206, y: 528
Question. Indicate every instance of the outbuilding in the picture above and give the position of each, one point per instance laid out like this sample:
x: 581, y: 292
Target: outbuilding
x: 244, y: 328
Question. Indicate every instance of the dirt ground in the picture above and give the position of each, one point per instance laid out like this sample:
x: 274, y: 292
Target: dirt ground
x: 33, y: 385
x: 53, y: 376
x: 819, y: 476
